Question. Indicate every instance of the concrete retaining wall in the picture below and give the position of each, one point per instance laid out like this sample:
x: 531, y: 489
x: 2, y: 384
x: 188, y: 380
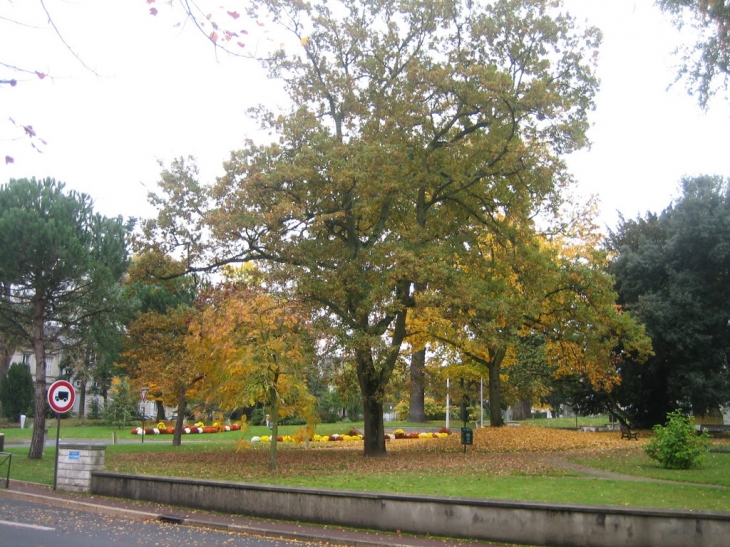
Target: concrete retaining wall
x: 76, y: 462
x: 494, y: 520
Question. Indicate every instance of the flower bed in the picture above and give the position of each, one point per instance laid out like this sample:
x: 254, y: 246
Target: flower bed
x: 198, y: 428
x: 353, y: 435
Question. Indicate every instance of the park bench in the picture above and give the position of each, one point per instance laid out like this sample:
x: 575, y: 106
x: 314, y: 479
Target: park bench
x: 626, y: 433
x: 715, y: 430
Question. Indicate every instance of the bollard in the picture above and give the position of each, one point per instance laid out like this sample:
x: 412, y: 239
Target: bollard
x: 22, y: 421
x: 2, y: 442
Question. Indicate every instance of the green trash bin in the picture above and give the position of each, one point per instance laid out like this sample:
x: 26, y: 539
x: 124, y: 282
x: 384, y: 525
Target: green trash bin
x: 467, y: 436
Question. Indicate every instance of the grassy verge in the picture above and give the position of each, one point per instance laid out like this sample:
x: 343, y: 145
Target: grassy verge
x: 716, y: 469
x: 567, y: 423
x: 23, y: 469
x: 557, y: 489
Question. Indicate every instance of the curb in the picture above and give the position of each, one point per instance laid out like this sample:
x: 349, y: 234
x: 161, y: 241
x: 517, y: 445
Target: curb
x: 199, y: 523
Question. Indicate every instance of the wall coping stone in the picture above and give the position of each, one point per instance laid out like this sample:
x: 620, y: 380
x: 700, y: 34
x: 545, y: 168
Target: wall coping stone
x: 81, y: 446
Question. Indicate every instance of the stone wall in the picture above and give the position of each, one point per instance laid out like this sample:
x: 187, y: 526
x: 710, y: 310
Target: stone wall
x: 76, y: 462
x: 533, y: 523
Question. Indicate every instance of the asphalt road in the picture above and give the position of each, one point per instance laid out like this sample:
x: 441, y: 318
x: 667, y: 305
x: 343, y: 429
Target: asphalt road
x: 27, y: 524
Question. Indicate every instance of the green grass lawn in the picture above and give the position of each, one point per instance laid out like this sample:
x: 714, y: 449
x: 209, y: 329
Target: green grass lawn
x: 23, y: 469
x: 716, y: 469
x: 558, y: 489
x: 567, y: 423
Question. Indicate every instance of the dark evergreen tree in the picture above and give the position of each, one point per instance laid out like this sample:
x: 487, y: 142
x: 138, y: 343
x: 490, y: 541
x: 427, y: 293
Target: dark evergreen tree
x: 60, y: 265
x: 673, y: 271
x: 16, y: 391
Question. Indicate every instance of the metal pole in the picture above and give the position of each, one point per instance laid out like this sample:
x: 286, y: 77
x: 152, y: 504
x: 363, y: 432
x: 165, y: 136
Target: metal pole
x: 448, y: 410
x: 58, y: 436
x: 481, y: 401
x: 7, y: 480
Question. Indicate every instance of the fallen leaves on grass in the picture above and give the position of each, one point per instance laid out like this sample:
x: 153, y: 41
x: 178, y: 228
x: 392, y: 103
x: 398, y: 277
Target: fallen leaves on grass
x: 524, y: 439
x: 496, y: 451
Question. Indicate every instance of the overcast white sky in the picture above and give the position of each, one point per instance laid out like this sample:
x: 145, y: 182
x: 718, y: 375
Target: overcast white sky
x: 161, y: 94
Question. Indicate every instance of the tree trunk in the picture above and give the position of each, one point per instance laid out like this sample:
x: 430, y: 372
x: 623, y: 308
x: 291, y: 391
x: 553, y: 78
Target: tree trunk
x: 39, y: 408
x: 82, y: 399
x: 522, y: 410
x: 464, y: 406
x: 181, y: 408
x: 416, y: 409
x: 374, y: 429
x: 495, y: 389
x: 373, y: 380
x: 6, y: 355
x: 371, y: 389
x: 274, y: 430
x: 6, y: 348
x: 160, y: 406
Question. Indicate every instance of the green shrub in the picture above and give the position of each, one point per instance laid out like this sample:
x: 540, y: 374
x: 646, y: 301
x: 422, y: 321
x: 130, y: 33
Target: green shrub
x: 678, y: 445
x: 16, y: 391
x: 431, y: 408
x: 121, y: 408
x: 95, y: 409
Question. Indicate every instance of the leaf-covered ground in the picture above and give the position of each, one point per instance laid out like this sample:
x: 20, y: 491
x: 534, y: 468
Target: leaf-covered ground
x: 496, y: 451
x: 526, y: 439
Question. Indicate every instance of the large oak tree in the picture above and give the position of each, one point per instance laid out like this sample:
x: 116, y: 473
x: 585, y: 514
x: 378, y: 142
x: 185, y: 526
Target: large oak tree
x: 409, y: 123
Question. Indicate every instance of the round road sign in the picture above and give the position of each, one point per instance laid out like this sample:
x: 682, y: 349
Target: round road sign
x: 61, y: 396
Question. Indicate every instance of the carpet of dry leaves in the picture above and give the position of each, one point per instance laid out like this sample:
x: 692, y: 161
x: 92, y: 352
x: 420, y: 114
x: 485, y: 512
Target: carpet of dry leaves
x: 496, y: 451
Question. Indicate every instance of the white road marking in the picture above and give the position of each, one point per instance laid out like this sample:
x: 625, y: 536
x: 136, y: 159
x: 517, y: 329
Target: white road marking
x: 21, y: 525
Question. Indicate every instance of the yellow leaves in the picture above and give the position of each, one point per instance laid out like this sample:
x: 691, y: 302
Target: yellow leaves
x: 521, y: 439
x: 305, y: 41
x: 253, y: 347
x: 304, y: 433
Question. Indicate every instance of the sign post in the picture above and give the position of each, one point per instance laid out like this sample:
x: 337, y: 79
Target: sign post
x: 143, y: 397
x: 61, y: 399
x: 467, y: 433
